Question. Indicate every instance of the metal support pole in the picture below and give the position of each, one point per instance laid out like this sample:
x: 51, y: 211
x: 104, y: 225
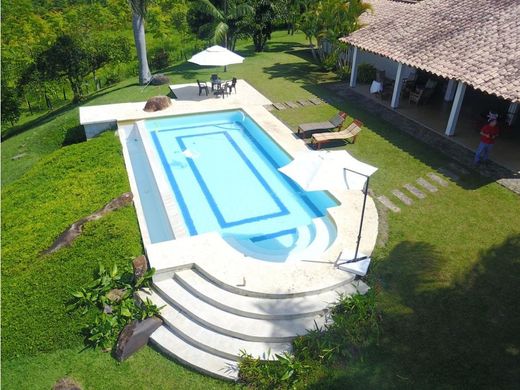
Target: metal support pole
x: 361, y: 221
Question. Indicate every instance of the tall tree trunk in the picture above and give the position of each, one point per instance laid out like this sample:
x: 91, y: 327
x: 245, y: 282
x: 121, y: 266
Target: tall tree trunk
x: 140, y: 45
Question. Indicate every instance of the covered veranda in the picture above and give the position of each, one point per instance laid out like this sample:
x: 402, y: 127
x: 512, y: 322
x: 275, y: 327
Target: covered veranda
x: 435, y: 113
x: 476, y: 65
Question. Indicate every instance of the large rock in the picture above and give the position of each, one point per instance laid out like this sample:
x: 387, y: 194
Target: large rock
x: 160, y: 79
x: 157, y: 103
x: 140, y: 266
x: 134, y: 336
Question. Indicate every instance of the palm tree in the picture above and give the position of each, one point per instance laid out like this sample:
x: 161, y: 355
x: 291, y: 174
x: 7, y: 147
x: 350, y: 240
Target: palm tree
x: 225, y: 25
x: 138, y: 15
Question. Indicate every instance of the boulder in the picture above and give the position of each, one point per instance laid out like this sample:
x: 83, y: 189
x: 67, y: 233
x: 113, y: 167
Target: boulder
x: 157, y: 103
x: 66, y: 384
x: 140, y: 266
x: 134, y: 336
x: 160, y: 79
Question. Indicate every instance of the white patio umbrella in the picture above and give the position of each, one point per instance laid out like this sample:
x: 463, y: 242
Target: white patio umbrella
x: 216, y: 56
x: 322, y: 170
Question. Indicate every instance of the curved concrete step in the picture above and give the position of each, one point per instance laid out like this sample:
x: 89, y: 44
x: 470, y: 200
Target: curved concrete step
x: 244, y: 328
x: 210, y: 341
x: 349, y: 278
x: 262, y: 308
x: 195, y: 358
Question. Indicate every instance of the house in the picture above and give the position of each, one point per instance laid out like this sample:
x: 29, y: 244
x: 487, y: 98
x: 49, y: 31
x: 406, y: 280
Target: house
x: 467, y: 44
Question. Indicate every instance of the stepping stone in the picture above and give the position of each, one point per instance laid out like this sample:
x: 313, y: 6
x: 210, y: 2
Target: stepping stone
x: 280, y: 106
x: 305, y: 103
x: 315, y: 101
x: 292, y: 104
x: 406, y: 200
x: 269, y: 107
x: 415, y: 191
x: 458, y: 168
x: 452, y: 175
x: 437, y: 179
x: 427, y: 185
x: 388, y: 204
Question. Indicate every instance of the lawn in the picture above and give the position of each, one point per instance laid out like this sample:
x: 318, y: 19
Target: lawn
x: 446, y: 269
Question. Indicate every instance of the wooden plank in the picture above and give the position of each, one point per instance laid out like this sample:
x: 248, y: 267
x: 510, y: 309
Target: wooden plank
x: 437, y: 179
x: 280, y: 106
x: 427, y: 185
x: 292, y: 104
x: 315, y: 101
x: 402, y: 197
x: 305, y: 103
x: 388, y: 204
x: 415, y: 191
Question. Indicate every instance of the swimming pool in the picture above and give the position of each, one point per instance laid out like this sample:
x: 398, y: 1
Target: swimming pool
x: 222, y: 170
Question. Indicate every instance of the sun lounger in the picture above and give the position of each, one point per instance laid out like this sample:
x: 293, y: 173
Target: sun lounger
x: 349, y: 132
x: 306, y: 129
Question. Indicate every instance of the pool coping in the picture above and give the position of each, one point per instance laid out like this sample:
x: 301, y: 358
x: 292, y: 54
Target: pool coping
x: 210, y: 253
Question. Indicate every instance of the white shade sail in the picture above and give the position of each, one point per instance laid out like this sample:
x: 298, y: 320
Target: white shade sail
x: 216, y: 56
x: 322, y: 170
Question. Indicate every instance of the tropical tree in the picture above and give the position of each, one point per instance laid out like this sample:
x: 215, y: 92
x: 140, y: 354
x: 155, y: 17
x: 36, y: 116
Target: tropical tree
x: 328, y: 20
x: 138, y: 15
x: 226, y: 25
x: 260, y: 24
x: 10, y: 104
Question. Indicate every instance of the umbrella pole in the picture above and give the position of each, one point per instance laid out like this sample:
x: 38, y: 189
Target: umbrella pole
x: 360, y: 222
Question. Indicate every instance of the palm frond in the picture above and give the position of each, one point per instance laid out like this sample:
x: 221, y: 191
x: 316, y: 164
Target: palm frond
x: 139, y: 7
x: 208, y: 8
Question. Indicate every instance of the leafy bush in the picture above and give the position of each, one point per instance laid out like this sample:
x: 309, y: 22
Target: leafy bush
x: 283, y: 373
x: 112, y: 77
x: 343, y: 72
x: 366, y: 73
x: 160, y: 59
x: 112, y: 296
x: 355, y: 326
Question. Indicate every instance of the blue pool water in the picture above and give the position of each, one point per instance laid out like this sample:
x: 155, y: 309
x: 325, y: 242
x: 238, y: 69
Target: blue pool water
x: 222, y: 168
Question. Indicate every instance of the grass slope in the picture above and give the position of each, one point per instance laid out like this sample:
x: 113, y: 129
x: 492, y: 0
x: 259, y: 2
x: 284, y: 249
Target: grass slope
x: 447, y: 274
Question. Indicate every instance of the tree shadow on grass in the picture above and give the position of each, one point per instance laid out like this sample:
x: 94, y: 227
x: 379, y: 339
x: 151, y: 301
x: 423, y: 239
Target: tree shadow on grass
x: 74, y: 135
x: 443, y: 334
x: 51, y: 115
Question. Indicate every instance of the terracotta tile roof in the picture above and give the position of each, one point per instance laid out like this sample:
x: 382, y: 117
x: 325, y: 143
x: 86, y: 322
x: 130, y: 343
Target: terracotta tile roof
x: 473, y: 41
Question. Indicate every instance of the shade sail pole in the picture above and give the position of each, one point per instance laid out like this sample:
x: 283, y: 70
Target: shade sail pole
x: 360, y: 222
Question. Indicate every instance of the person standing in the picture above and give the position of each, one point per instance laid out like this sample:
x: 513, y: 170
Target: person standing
x: 488, y: 134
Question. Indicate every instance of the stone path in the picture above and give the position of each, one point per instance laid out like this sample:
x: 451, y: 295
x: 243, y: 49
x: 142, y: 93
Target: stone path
x: 435, y: 181
x: 298, y: 104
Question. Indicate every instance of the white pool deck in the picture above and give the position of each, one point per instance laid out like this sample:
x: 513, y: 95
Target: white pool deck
x: 209, y: 252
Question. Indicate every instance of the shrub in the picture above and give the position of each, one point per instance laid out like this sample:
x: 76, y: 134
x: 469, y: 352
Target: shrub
x: 160, y: 59
x: 355, y: 326
x: 366, y: 73
x: 343, y: 72
x: 112, y: 297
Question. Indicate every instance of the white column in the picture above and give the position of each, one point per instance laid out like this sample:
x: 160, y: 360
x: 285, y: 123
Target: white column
x: 512, y: 113
x: 397, y: 87
x: 450, y: 91
x: 455, y: 108
x: 353, y: 73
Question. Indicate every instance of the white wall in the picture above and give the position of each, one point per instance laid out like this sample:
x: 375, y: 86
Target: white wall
x: 382, y: 63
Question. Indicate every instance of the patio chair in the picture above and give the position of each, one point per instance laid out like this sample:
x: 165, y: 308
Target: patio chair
x: 422, y: 95
x: 350, y: 132
x: 203, y: 87
x: 222, y: 89
x: 305, y: 129
x: 233, y: 85
x: 214, y: 81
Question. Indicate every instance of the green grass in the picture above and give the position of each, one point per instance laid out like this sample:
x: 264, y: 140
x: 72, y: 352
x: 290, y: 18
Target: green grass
x: 447, y: 275
x: 147, y: 369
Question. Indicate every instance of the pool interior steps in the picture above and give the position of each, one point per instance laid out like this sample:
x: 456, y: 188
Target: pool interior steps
x: 308, y: 242
x: 206, y: 325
